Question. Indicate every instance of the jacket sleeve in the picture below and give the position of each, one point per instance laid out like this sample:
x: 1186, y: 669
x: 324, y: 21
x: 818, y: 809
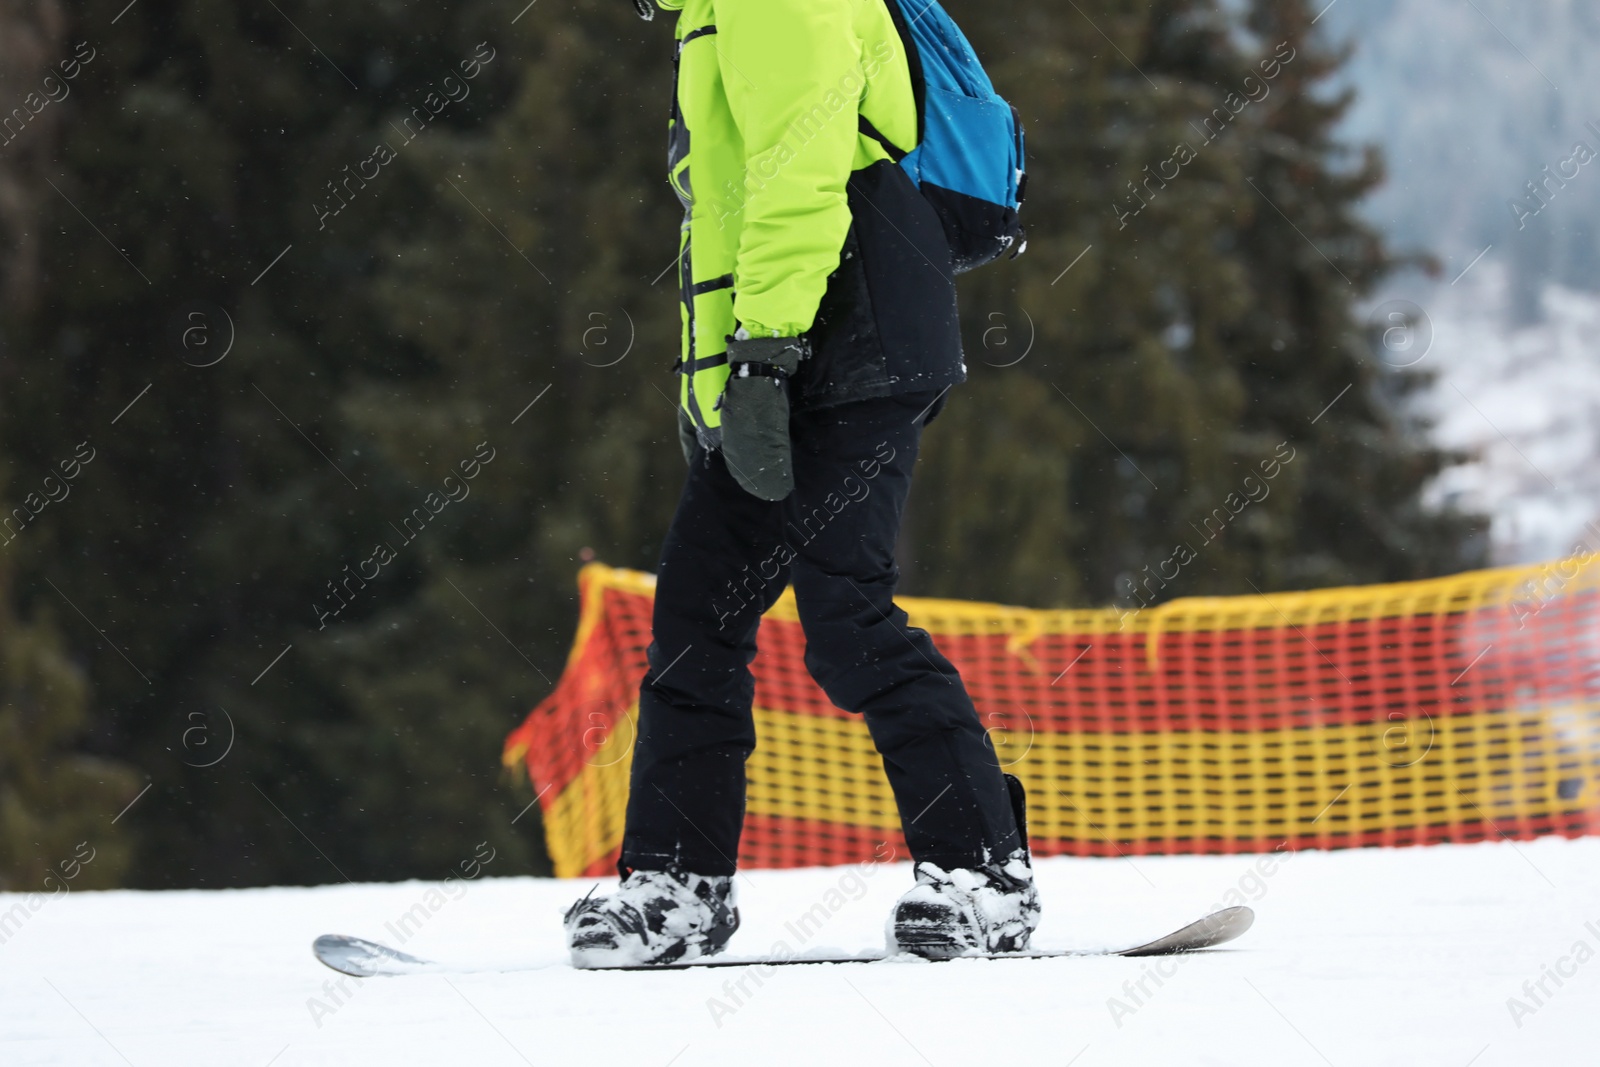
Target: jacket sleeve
x: 792, y: 73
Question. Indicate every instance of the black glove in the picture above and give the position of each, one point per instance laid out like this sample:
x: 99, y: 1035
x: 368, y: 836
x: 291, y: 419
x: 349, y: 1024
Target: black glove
x: 645, y: 8
x: 755, y: 413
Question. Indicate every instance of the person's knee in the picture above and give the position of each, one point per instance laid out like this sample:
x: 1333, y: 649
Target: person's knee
x: 930, y: 723
x: 838, y: 611
x: 851, y: 675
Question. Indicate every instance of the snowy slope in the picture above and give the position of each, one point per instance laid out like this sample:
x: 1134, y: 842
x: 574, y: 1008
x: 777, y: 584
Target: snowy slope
x: 1470, y: 101
x: 1368, y: 957
x: 1524, y: 401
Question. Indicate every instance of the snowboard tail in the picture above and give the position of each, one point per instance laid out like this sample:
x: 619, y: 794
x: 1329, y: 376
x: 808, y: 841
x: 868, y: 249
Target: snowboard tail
x: 368, y: 959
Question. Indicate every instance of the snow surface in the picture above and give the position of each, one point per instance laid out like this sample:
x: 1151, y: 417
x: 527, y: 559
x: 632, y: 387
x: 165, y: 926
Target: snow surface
x: 1403, y: 956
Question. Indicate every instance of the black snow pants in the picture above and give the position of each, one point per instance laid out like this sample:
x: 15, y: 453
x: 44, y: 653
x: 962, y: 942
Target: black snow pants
x: 727, y: 557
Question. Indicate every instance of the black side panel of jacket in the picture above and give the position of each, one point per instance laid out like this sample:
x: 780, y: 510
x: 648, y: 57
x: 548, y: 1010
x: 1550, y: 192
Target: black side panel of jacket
x: 888, y: 322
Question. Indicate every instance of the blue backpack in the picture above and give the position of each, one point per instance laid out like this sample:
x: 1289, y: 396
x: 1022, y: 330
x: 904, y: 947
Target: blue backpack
x: 969, y: 161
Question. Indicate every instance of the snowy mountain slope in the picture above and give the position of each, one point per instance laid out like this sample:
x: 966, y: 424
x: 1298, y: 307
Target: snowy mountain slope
x: 1526, y: 402
x: 1366, y: 957
x: 1470, y: 100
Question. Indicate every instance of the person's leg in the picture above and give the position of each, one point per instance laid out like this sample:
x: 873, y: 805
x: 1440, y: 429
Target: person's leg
x: 853, y: 466
x: 722, y: 565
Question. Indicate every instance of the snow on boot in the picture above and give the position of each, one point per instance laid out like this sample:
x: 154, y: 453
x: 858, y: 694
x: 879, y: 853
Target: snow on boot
x: 967, y: 911
x: 971, y: 911
x: 653, y: 917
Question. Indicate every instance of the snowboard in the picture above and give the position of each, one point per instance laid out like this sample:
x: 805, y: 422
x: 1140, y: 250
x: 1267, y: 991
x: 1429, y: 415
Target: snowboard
x: 368, y: 959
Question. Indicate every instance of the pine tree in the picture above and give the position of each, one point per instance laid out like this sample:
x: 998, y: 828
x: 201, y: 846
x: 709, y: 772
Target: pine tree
x: 210, y: 201
x: 58, y: 804
x: 1309, y: 363
x: 535, y: 291
x: 1182, y: 333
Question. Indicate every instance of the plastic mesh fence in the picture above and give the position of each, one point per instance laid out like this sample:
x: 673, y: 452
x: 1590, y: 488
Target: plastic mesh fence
x: 1454, y: 709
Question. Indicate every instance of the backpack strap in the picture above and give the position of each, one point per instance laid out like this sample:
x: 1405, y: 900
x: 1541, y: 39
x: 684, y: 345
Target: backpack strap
x: 699, y: 363
x: 869, y: 130
x: 919, y: 84
x: 711, y: 285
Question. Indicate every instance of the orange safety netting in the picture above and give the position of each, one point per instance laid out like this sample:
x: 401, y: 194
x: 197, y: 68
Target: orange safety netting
x: 1454, y: 709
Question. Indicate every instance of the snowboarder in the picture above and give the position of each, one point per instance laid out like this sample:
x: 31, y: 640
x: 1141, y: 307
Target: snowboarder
x: 820, y: 337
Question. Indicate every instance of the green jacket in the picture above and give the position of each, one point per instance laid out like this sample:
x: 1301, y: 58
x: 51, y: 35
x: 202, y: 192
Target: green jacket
x: 797, y: 222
